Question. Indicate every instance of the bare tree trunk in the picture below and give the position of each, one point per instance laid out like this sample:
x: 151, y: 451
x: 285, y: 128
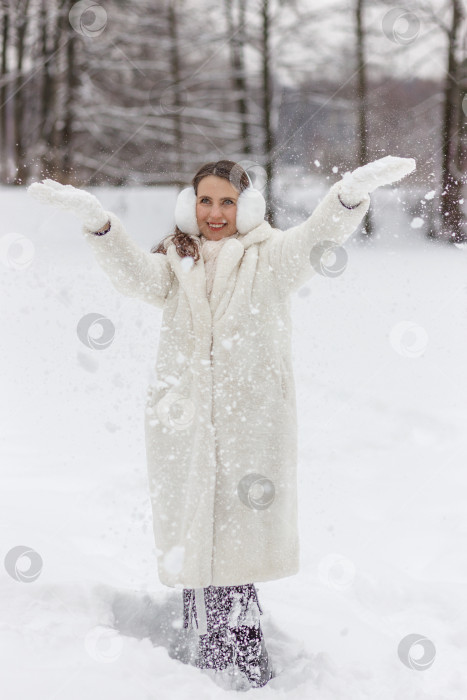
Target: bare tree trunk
x: 237, y: 44
x: 267, y: 103
x: 461, y: 155
x: 451, y: 214
x: 4, y: 92
x: 71, y: 81
x: 48, y: 94
x: 362, y: 97
x: 21, y: 19
x: 242, y: 82
x: 176, y: 87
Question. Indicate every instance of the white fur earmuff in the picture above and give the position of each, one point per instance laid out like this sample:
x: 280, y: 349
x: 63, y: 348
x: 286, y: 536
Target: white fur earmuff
x: 251, y: 209
x: 185, y: 212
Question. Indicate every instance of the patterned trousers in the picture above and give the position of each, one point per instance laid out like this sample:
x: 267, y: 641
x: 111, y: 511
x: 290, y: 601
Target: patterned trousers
x: 226, y: 618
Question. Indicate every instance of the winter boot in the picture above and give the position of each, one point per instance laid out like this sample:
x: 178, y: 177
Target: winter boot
x: 231, y: 644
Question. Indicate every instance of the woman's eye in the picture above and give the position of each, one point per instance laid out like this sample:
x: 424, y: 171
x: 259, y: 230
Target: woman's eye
x: 205, y: 200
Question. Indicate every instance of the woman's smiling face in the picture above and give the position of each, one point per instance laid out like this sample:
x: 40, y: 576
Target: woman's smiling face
x: 216, y: 203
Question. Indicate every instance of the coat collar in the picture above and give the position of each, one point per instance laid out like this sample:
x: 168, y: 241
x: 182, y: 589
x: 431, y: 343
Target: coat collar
x: 192, y: 276
x: 255, y: 235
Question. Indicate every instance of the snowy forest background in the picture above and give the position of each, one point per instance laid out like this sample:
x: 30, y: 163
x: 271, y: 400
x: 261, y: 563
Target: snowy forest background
x: 130, y: 93
x: 128, y: 99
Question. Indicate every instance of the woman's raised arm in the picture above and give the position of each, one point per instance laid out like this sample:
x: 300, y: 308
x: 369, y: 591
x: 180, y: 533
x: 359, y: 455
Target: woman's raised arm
x: 335, y: 218
x: 132, y: 271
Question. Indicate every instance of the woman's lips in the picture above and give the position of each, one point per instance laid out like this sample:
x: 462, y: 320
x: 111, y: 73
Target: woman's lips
x: 216, y: 227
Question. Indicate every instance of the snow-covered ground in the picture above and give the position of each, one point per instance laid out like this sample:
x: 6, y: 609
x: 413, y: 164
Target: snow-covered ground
x: 381, y: 377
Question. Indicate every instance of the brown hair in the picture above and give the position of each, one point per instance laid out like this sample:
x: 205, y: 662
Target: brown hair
x: 186, y: 245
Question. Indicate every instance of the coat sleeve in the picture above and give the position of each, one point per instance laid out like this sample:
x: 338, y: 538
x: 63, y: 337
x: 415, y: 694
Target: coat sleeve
x: 290, y: 250
x: 132, y: 271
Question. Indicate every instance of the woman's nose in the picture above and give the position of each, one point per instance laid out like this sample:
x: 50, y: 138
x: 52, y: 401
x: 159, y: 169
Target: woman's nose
x: 216, y: 210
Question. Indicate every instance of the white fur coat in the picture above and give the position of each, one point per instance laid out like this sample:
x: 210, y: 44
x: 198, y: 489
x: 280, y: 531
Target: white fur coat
x: 220, y: 421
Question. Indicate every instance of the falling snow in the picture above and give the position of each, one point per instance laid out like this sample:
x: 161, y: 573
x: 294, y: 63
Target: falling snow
x: 379, y: 361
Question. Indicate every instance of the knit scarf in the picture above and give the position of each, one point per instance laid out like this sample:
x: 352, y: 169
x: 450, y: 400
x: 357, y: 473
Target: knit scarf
x: 210, y: 250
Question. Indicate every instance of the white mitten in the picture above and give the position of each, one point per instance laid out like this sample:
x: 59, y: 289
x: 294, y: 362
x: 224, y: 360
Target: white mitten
x: 83, y: 204
x: 356, y: 185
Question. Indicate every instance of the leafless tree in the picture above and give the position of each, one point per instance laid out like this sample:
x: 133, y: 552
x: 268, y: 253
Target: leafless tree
x: 237, y: 39
x: 21, y: 18
x: 452, y: 179
x: 4, y: 88
x: 362, y: 99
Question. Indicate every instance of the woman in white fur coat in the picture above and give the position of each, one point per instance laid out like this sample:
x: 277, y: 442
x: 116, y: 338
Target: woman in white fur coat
x: 220, y: 420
